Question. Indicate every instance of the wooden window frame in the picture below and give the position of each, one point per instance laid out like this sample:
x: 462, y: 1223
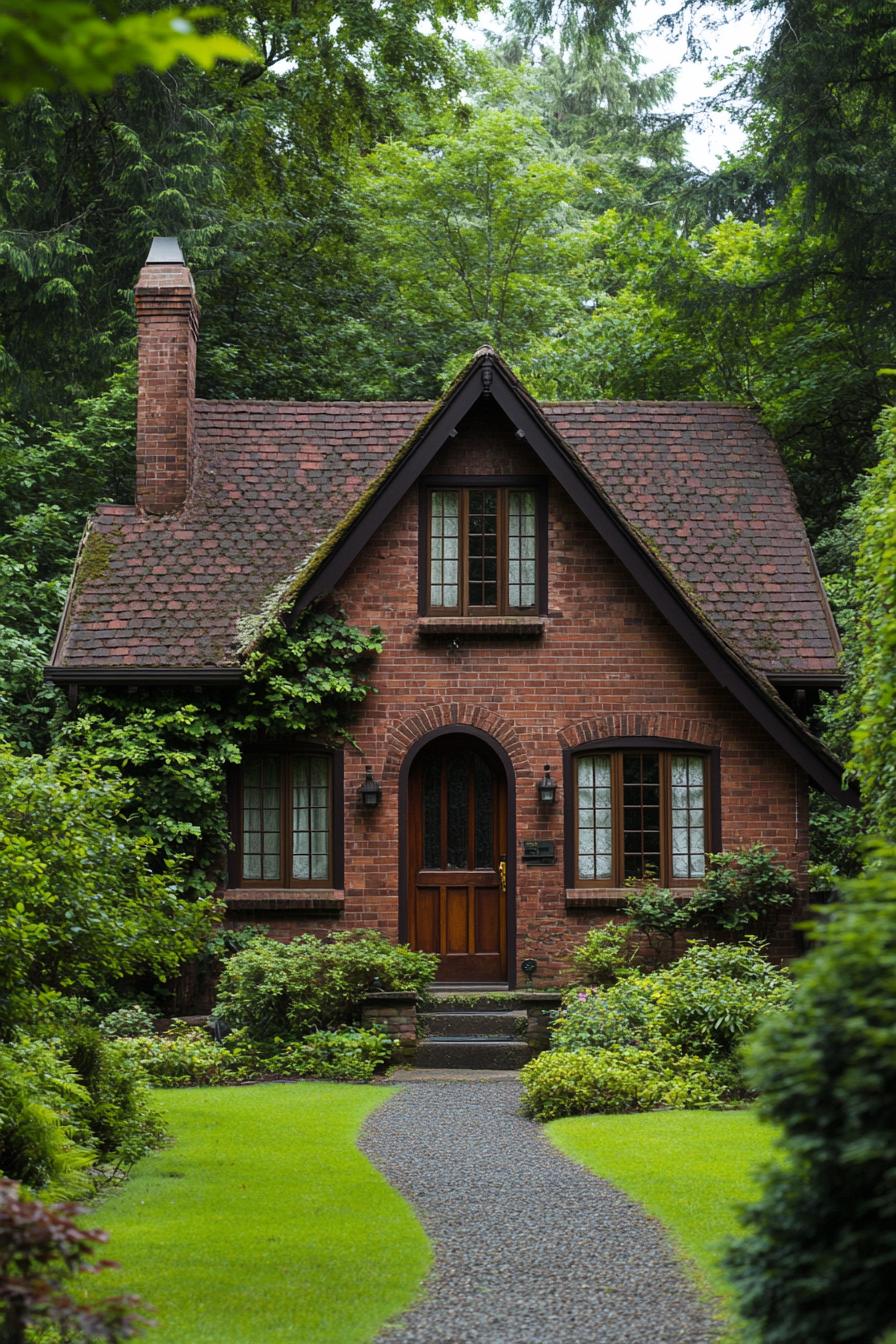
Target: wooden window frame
x: 286, y: 754
x: 616, y: 748
x: 503, y: 485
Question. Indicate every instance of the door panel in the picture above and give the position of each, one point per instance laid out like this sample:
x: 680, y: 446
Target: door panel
x: 457, y: 831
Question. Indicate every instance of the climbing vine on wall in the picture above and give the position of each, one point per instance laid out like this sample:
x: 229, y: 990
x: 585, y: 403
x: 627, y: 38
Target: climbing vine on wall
x: 176, y: 744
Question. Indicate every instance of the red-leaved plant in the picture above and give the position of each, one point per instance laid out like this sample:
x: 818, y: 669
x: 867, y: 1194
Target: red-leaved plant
x: 41, y: 1249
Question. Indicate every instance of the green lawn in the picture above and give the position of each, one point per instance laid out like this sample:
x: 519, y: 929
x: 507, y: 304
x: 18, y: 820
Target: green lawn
x: 264, y: 1222
x: 690, y: 1169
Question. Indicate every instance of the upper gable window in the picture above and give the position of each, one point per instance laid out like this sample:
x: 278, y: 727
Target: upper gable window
x: 484, y: 545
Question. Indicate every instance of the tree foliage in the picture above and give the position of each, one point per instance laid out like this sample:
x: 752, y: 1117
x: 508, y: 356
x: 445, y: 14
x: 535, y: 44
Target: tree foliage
x: 85, y: 45
x: 873, y: 693
x: 821, y: 1239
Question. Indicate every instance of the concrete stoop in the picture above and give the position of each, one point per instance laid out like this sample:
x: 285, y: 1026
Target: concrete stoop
x: 460, y: 1037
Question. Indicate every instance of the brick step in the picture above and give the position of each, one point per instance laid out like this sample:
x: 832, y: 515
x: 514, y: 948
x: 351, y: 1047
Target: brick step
x: 509, y: 1024
x: 452, y: 1052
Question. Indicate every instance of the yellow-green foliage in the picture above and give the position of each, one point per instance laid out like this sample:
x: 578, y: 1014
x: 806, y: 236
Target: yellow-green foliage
x: 875, y: 690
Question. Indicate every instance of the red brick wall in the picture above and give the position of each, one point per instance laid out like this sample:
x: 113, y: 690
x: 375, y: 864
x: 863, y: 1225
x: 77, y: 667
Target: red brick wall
x: 167, y: 328
x: 608, y: 665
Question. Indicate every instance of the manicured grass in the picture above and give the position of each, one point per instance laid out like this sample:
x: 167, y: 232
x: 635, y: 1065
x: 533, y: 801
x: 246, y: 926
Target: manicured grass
x: 690, y: 1169
x: 264, y: 1222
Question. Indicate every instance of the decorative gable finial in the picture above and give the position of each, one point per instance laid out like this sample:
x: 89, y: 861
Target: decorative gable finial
x: 488, y: 374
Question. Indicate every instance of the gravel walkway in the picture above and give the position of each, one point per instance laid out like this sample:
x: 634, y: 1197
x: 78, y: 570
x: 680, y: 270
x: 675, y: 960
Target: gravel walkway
x: 530, y: 1248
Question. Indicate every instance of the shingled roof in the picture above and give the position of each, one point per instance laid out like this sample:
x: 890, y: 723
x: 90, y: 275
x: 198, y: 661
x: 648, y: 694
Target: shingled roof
x: 271, y: 481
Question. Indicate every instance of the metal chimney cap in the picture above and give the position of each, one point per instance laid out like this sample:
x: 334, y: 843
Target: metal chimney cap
x: 165, y: 252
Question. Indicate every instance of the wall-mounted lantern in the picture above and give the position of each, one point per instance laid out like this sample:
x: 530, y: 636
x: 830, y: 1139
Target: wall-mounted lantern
x: 370, y: 791
x: 547, y: 787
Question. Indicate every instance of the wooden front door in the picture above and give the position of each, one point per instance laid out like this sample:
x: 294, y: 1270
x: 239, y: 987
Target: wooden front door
x: 457, y: 833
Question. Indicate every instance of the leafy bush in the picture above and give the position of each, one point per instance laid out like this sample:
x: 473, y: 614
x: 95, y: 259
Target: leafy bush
x: 595, y: 1019
x: 290, y: 989
x: 350, y: 1053
x: 80, y: 903
x: 742, y: 892
x: 117, y: 1114
x: 189, y: 1057
x: 605, y: 955
x: 131, y: 1021
x: 622, y: 1078
x: 668, y: 1038
x: 42, y: 1248
x: 709, y: 1000
x: 653, y: 910
x: 40, y: 1095
x: 183, y: 1057
x: 71, y: 1107
x: 816, y: 1260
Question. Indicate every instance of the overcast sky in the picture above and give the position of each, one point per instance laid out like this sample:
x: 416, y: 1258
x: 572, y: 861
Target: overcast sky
x: 715, y: 137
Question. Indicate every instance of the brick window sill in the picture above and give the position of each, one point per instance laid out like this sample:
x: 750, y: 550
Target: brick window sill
x: 506, y: 627
x: 610, y: 898
x: 271, y: 898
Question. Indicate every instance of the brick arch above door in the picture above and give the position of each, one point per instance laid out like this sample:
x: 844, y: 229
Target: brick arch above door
x: 674, y: 727
x: 404, y: 734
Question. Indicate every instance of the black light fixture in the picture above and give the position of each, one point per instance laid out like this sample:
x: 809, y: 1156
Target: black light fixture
x: 547, y: 787
x: 528, y: 968
x: 370, y: 792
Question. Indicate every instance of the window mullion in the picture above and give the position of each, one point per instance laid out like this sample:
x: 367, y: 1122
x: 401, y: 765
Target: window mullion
x: 464, y: 550
x: 616, y: 803
x: 665, y: 819
x: 503, y: 553
x: 286, y: 820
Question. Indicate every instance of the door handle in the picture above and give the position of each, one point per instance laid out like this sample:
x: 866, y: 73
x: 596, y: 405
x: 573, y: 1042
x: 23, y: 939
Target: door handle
x: 502, y: 874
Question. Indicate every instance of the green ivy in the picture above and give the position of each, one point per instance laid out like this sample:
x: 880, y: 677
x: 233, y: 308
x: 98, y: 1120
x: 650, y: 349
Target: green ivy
x: 176, y: 745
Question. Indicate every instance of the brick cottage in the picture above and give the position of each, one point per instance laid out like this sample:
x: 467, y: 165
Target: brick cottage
x: 602, y: 623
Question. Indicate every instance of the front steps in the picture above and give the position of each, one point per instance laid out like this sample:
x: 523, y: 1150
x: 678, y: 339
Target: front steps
x: 487, y: 1033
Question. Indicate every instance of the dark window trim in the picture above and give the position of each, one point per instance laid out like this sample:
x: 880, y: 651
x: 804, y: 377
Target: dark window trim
x: 538, y: 484
x: 609, y: 745
x: 281, y: 747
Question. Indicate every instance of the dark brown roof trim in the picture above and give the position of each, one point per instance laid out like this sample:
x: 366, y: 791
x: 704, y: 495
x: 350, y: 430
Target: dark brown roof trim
x: 137, y: 676
x: 488, y: 376
x: 810, y: 681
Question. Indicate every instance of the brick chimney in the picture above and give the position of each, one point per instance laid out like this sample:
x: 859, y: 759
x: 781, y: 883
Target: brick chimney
x: 167, y: 329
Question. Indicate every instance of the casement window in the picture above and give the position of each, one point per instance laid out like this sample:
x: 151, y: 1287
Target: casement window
x: 484, y: 547
x: 640, y: 813
x: 284, y: 820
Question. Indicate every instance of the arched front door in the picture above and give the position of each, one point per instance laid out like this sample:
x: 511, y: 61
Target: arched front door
x: 457, y: 847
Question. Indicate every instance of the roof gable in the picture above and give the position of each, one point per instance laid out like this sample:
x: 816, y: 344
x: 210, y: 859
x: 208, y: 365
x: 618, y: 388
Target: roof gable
x: 487, y: 376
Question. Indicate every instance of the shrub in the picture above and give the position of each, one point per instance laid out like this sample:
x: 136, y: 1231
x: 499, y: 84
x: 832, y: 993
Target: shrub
x: 820, y: 1244
x: 39, y: 1133
x: 183, y: 1057
x: 709, y: 1000
x: 82, y: 903
x: 350, y: 1053
x: 560, y: 1082
x: 42, y: 1248
x: 117, y: 1112
x: 742, y: 892
x: 131, y: 1021
x: 605, y: 955
x: 669, y: 1038
x: 290, y: 989
x: 598, y: 1018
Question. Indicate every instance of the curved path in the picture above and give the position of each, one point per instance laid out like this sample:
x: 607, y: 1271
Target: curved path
x: 530, y: 1248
